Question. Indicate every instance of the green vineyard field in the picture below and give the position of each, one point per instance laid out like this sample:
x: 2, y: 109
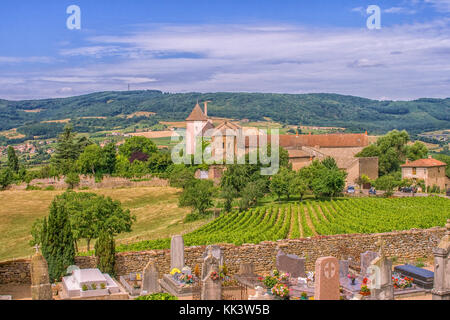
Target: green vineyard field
x: 311, y: 218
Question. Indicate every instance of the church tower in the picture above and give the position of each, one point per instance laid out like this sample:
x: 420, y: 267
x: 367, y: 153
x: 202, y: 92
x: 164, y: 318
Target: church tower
x: 195, y: 125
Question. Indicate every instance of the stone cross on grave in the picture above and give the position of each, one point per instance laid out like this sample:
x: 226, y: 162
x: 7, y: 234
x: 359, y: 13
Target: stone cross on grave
x: 329, y: 270
x: 36, y: 247
x: 381, y: 244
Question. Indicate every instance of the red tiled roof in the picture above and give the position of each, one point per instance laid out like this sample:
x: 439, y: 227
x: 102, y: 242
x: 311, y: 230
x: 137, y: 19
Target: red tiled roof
x: 424, y: 163
x: 298, y: 154
x: 338, y: 140
x: 197, y: 114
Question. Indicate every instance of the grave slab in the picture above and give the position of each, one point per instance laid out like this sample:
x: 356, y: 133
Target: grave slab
x: 421, y: 277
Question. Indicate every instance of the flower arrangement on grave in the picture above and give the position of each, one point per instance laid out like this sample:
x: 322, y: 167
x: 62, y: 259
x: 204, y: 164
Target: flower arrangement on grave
x: 275, y: 273
x: 310, y: 277
x: 175, y: 271
x: 281, y: 290
x: 85, y: 287
x: 402, y: 283
x: 304, y: 296
x: 94, y: 286
x: 215, y: 275
x: 365, y: 291
x: 223, y: 273
x: 352, y: 277
x: 197, y: 270
x: 103, y: 285
x: 270, y: 282
x: 283, y: 277
x: 186, y: 278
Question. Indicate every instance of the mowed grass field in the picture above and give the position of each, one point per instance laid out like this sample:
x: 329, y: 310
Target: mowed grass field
x: 156, y: 209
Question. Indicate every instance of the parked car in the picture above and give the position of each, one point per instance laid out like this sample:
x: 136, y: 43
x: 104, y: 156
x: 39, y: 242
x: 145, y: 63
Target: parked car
x: 373, y: 191
x: 408, y: 189
x: 350, y: 189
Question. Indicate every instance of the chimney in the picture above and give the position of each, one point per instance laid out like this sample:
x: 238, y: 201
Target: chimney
x: 206, y: 107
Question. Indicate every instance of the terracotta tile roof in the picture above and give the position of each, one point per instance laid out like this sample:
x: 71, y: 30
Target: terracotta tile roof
x: 424, y: 163
x: 339, y: 140
x: 197, y: 114
x: 293, y: 153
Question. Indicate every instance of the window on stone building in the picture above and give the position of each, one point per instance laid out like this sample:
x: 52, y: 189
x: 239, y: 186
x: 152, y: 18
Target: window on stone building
x: 414, y: 170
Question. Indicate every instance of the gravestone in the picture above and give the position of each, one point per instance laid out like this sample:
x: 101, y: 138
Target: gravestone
x: 177, y: 252
x: 380, y: 275
x: 343, y: 268
x: 421, y: 277
x: 366, y: 259
x: 247, y: 275
x: 150, y: 278
x: 327, y: 279
x: 246, y: 269
x: 216, y: 252
x: 441, y: 289
x: 211, y: 288
x: 40, y: 282
x: 291, y: 264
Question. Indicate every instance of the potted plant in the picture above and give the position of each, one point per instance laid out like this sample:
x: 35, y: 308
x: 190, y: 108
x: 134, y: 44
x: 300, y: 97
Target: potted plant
x: 270, y: 282
x: 304, y: 296
x: 365, y: 291
x: 352, y: 278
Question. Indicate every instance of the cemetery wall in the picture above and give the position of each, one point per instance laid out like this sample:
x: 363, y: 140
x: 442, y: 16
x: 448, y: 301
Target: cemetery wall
x: 407, y: 245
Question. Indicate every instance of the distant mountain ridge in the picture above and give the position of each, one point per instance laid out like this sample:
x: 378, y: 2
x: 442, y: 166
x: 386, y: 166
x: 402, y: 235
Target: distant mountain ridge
x: 318, y: 109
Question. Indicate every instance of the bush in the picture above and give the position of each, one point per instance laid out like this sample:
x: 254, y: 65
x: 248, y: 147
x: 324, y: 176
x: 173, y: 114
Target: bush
x: 194, y: 217
x: 72, y: 179
x: 50, y: 188
x: 31, y: 188
x: 6, y: 178
x: 105, y: 252
x: 157, y: 296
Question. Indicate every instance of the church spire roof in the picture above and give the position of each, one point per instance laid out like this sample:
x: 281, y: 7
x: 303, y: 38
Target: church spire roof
x: 197, y: 114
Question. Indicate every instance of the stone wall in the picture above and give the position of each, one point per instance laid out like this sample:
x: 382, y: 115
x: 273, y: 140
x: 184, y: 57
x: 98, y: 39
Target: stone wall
x: 409, y: 245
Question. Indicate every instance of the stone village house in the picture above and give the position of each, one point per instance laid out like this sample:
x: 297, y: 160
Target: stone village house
x: 430, y: 170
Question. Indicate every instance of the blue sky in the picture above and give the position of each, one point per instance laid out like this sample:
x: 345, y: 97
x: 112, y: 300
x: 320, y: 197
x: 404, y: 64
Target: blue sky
x: 289, y: 46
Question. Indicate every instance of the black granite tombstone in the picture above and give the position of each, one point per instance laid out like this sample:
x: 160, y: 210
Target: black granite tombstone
x: 421, y: 277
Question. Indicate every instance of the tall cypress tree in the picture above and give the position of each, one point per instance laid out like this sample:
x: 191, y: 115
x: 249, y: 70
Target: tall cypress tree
x: 58, y: 245
x: 13, y: 161
x: 105, y: 252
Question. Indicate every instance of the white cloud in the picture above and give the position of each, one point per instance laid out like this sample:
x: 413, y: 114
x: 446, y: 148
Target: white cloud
x: 440, y: 5
x: 401, y: 62
x: 16, y: 60
x: 400, y: 10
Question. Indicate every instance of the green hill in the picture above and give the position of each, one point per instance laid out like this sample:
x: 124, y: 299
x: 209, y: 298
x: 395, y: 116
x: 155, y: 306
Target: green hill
x: 354, y: 113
